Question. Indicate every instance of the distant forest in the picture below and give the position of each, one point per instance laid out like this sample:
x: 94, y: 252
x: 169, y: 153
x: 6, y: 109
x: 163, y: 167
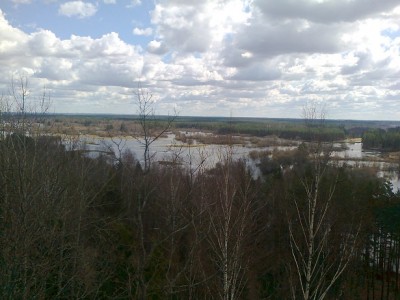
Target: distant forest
x: 375, y: 134
x: 381, y: 139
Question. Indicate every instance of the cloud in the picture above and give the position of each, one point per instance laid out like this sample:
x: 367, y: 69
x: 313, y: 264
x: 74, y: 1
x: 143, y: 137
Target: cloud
x: 50, y: 71
x: 143, y: 31
x: 78, y: 9
x: 108, y: 73
x: 13, y: 43
x: 182, y: 27
x: 262, y: 38
x: 110, y: 1
x: 157, y: 47
x: 259, y: 58
x: 258, y: 72
x: 361, y: 61
x: 197, y: 26
x: 324, y: 11
x: 292, y: 37
x: 69, y: 67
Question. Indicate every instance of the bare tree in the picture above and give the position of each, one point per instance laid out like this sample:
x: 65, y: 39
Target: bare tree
x: 151, y: 128
x: 318, y: 256
x: 28, y: 110
x: 231, y: 218
x: 44, y: 206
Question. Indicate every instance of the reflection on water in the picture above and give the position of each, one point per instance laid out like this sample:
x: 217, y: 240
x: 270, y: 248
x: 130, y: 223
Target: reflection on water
x: 352, y: 154
x: 169, y: 149
x: 353, y: 150
x: 392, y: 177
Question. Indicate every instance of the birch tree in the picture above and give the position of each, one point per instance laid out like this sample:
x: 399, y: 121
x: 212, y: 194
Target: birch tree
x: 319, y: 259
x: 231, y: 220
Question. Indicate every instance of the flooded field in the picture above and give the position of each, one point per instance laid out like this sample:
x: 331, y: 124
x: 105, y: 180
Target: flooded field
x: 194, y: 154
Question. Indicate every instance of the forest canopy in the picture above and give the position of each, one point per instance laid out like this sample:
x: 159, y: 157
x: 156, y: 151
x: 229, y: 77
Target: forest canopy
x: 381, y: 139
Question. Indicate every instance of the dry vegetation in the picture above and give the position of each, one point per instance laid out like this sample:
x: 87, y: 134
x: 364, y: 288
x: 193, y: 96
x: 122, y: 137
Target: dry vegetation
x: 93, y: 126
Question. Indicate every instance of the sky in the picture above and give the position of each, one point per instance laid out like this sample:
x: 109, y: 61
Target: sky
x: 240, y: 58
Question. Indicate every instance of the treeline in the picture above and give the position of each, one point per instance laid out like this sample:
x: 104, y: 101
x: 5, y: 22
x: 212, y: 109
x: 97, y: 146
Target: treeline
x: 386, y: 140
x: 74, y: 227
x: 295, y: 130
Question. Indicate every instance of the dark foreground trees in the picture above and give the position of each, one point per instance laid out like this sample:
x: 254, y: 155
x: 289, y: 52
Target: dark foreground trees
x: 74, y: 227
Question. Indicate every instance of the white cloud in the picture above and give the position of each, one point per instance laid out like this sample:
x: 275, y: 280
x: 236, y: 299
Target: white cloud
x: 143, y: 31
x: 13, y: 43
x: 69, y: 67
x: 259, y: 58
x: 247, y: 54
x: 78, y: 9
x: 110, y: 1
x: 62, y: 72
x: 157, y: 47
x: 200, y: 26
